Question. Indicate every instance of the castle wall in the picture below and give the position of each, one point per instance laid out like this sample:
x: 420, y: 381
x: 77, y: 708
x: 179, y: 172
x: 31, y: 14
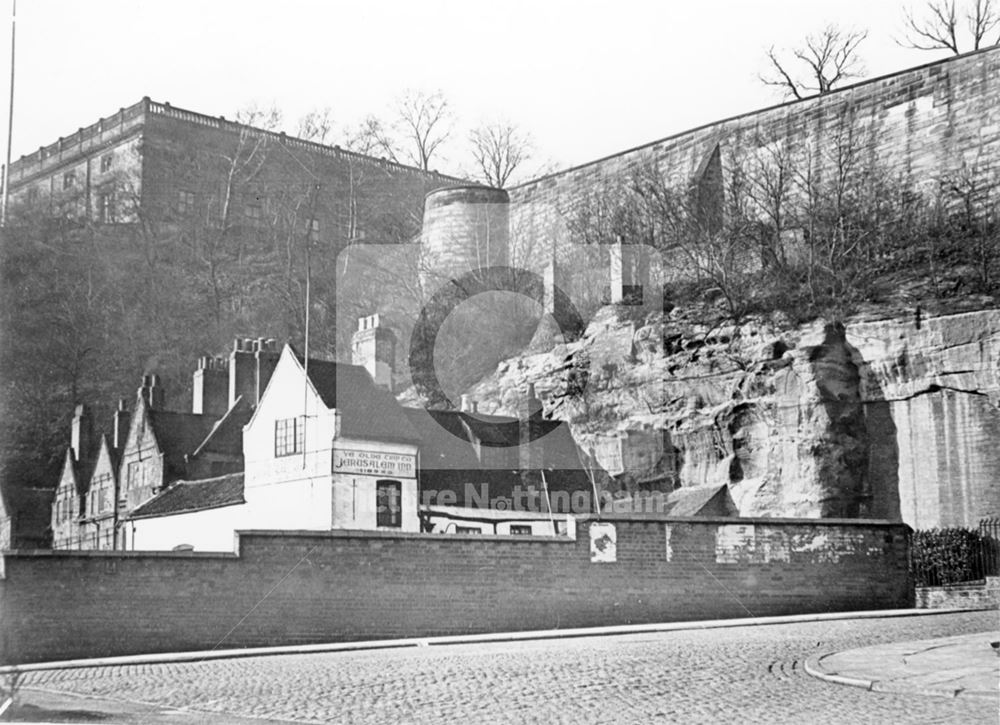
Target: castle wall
x: 309, y: 587
x: 920, y: 125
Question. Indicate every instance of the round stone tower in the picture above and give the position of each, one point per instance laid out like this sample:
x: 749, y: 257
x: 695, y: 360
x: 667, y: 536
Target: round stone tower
x: 465, y: 228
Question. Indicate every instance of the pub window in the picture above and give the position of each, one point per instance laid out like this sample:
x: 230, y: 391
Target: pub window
x: 520, y: 530
x: 106, y: 163
x: 69, y: 179
x: 289, y: 436
x: 387, y: 498
x: 468, y: 530
x: 185, y: 202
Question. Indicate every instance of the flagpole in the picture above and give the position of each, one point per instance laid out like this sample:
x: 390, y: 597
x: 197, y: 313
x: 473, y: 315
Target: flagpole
x: 10, y: 117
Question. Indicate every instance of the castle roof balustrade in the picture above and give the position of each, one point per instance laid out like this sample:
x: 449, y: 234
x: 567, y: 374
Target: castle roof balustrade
x: 116, y: 126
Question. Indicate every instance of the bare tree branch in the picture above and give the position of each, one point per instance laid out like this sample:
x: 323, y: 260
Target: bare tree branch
x: 316, y: 125
x: 938, y: 28
x: 826, y: 60
x: 499, y: 148
x: 425, y: 122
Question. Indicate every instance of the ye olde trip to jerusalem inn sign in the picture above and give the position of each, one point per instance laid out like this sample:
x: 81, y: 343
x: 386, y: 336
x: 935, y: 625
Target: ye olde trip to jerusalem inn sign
x: 375, y: 463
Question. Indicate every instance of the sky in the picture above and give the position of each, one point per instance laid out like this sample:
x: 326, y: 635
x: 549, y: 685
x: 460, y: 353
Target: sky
x: 585, y: 79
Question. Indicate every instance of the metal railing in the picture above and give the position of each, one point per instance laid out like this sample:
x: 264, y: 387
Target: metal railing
x: 939, y: 557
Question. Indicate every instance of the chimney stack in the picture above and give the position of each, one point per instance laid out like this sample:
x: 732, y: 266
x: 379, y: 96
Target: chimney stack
x: 250, y: 367
x: 373, y: 347
x: 80, y: 432
x: 210, y: 391
x: 468, y: 404
x: 120, y: 426
x: 152, y: 392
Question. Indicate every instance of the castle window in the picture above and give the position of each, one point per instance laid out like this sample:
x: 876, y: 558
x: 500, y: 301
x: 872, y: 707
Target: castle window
x: 69, y: 180
x: 185, y: 202
x: 252, y: 212
x: 106, y: 207
x: 314, y: 230
x: 106, y: 163
x: 289, y: 436
x: 388, y: 511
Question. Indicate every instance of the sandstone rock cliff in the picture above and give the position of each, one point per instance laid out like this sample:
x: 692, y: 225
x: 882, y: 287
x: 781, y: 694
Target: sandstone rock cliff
x: 894, y: 418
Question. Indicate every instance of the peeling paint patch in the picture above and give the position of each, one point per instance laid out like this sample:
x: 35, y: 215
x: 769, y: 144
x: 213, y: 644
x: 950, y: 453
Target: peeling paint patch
x: 762, y: 544
x: 828, y: 547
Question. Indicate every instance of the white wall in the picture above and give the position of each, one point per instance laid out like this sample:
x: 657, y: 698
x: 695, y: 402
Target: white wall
x: 211, y: 530
x: 289, y: 492
x: 354, y: 493
x: 444, y: 524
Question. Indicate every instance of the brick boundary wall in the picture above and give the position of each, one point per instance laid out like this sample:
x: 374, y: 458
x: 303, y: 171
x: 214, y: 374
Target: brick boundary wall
x: 978, y: 595
x: 308, y: 587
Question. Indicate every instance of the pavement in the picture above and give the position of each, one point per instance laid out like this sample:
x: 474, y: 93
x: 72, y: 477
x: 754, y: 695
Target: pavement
x: 966, y: 666
x: 757, y: 672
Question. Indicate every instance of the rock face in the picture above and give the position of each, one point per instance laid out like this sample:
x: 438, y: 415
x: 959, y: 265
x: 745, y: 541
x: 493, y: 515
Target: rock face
x: 891, y: 419
x: 931, y: 389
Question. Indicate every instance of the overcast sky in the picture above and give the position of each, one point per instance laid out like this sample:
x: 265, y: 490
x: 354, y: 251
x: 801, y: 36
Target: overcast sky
x: 585, y: 78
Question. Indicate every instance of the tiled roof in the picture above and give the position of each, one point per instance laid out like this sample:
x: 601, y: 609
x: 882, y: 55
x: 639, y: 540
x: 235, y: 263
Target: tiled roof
x: 226, y: 436
x: 684, y: 501
x: 448, y: 459
x: 367, y: 411
x: 189, y: 496
x: 178, y: 435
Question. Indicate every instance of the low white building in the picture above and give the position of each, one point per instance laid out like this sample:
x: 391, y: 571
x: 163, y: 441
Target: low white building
x: 325, y: 449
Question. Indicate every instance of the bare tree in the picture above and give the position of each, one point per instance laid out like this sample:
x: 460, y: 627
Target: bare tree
x: 371, y: 137
x: 499, y: 148
x: 424, y: 122
x: 268, y: 118
x: 827, y: 59
x: 316, y: 125
x: 939, y: 27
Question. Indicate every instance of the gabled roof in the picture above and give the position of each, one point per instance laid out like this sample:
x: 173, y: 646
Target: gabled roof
x: 684, y: 501
x: 83, y: 469
x: 367, y: 411
x: 448, y: 459
x: 451, y: 434
x: 190, y: 496
x: 30, y: 510
x: 226, y: 436
x: 177, y: 435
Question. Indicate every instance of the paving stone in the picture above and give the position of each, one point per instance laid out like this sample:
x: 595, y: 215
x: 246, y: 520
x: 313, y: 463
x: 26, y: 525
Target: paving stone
x: 748, y: 674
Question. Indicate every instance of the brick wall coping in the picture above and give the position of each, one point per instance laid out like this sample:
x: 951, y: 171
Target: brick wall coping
x: 367, y: 534
x: 735, y: 520
x: 759, y: 111
x: 90, y: 554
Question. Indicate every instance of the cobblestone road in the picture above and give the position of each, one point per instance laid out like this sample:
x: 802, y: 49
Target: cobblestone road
x: 745, y: 674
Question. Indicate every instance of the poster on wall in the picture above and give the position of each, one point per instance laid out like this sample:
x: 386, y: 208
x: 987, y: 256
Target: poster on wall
x: 603, y: 543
